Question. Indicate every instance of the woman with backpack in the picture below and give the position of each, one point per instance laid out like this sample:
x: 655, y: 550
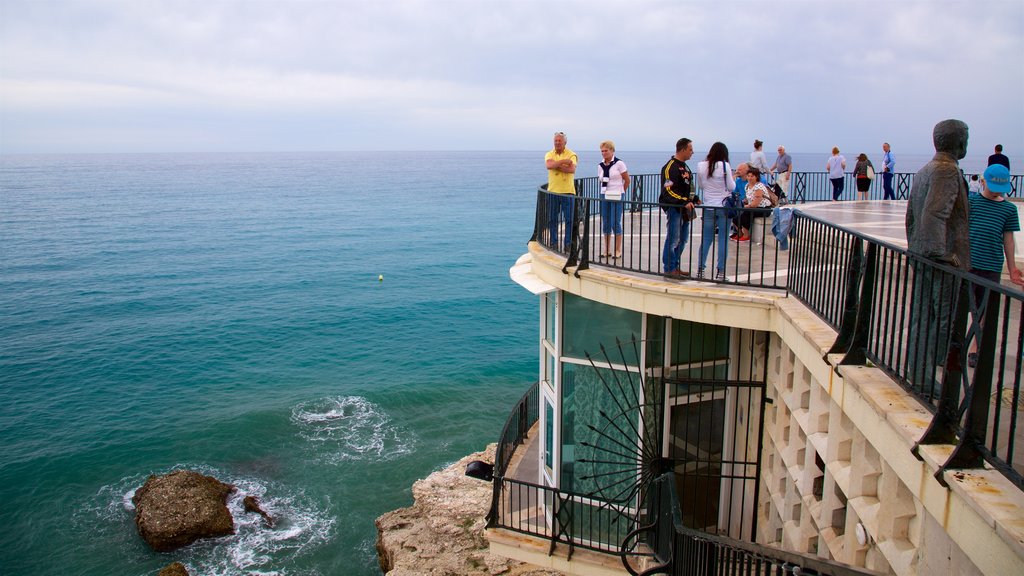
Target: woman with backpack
x: 713, y: 176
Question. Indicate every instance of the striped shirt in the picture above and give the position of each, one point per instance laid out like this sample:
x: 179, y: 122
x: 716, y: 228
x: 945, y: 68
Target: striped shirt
x: 990, y: 220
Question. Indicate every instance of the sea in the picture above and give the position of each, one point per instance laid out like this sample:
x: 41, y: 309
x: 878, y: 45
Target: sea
x: 318, y: 329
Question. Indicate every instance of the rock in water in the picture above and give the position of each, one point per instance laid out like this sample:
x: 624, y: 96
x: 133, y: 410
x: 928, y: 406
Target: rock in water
x: 173, y: 569
x: 252, y: 504
x: 177, y: 509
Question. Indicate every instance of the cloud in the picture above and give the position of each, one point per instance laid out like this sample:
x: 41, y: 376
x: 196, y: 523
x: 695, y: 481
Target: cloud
x: 500, y: 75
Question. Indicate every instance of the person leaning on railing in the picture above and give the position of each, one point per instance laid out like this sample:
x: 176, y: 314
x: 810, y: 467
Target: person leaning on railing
x: 561, y: 164
x: 758, y: 203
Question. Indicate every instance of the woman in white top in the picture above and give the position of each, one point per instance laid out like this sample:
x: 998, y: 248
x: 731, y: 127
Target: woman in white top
x: 614, y: 179
x: 714, y: 175
x: 836, y: 165
x: 757, y: 199
x: 758, y: 159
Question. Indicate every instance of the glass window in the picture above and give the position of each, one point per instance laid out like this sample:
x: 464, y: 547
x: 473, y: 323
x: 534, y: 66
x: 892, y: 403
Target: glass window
x: 550, y: 316
x: 549, y: 434
x: 549, y: 368
x: 592, y: 458
x: 588, y: 324
x: 693, y: 342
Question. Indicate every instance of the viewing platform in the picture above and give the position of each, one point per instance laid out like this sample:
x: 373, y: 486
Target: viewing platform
x: 881, y: 440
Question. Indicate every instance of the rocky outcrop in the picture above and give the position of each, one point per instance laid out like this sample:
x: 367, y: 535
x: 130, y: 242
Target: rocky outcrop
x: 442, y: 533
x: 252, y: 504
x: 179, y: 508
x: 173, y: 569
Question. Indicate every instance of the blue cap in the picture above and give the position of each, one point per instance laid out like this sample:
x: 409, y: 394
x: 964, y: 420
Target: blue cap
x: 997, y: 179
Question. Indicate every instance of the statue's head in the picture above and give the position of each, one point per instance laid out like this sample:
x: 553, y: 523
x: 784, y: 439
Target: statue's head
x: 950, y: 136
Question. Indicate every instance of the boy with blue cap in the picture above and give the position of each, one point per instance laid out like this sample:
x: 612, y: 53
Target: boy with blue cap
x: 992, y: 224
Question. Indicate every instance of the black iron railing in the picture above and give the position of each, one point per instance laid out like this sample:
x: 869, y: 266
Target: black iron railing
x: 804, y: 187
x: 572, y: 225
x: 903, y: 315
x: 952, y: 339
x: 523, y: 416
x: 561, y: 517
x: 683, y: 551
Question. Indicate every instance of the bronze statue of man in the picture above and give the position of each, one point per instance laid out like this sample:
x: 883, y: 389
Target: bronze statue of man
x: 937, y: 231
x: 937, y: 212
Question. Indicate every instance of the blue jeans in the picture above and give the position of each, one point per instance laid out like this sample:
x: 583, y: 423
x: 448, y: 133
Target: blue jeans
x: 678, y: 230
x: 837, y: 187
x: 611, y: 217
x: 559, y: 211
x: 715, y: 217
x: 887, y: 186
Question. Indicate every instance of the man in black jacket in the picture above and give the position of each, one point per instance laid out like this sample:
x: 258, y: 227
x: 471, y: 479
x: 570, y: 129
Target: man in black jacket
x: 677, y: 200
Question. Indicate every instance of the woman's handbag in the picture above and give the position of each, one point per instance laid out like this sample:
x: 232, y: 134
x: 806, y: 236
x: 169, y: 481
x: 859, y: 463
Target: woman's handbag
x: 732, y: 206
x: 871, y: 173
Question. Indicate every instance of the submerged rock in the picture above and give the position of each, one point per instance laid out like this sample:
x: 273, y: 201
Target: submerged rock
x: 443, y: 531
x: 179, y: 508
x: 173, y: 569
x: 252, y: 504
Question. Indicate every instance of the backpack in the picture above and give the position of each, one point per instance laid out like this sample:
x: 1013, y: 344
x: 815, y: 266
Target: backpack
x: 772, y: 195
x: 780, y: 195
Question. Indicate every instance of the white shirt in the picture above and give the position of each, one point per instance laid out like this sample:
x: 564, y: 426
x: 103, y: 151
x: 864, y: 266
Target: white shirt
x: 759, y: 160
x: 716, y: 188
x: 615, y: 187
x: 835, y: 166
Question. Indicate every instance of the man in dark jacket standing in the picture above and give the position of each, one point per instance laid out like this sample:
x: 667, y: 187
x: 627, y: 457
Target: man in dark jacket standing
x: 937, y: 231
x: 999, y: 157
x: 677, y: 200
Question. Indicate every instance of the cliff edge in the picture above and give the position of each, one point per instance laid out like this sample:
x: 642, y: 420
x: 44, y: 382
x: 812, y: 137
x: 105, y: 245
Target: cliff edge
x: 442, y: 533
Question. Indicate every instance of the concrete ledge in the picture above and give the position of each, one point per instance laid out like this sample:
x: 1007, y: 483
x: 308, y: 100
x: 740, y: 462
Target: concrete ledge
x: 535, y: 551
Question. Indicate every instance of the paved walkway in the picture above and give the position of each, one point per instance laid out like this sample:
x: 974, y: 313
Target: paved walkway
x: 883, y: 220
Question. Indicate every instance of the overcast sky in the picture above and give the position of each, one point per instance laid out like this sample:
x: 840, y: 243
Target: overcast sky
x: 302, y: 75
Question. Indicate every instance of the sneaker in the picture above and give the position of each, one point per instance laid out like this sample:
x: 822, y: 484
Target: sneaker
x: 972, y: 359
x: 743, y: 239
x: 700, y: 273
x: 734, y: 235
x: 720, y: 276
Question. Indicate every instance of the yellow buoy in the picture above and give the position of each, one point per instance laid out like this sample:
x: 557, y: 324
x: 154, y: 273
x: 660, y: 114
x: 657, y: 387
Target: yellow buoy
x: 380, y: 278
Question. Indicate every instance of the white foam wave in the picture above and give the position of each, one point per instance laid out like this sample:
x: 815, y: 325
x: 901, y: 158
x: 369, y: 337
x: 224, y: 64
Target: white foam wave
x: 350, y: 428
x: 255, y: 548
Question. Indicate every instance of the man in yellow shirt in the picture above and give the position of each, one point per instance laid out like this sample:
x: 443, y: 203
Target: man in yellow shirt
x: 561, y: 165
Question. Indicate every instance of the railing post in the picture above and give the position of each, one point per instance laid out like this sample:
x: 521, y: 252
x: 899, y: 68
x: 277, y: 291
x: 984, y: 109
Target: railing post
x: 968, y: 453
x: 799, y: 187
x: 856, y: 353
x: 582, y: 207
x: 538, y: 224
x: 849, y: 322
x: 942, y: 429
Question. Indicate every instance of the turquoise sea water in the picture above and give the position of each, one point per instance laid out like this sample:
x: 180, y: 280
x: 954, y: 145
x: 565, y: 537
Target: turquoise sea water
x: 223, y: 313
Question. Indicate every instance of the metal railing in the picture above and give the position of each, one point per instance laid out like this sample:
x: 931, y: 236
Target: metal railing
x: 918, y: 321
x: 683, y: 551
x: 572, y: 225
x: 561, y: 517
x: 804, y: 187
x: 900, y: 314
x: 525, y: 413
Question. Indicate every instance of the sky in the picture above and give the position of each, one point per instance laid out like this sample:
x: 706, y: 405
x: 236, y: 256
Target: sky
x: 322, y: 75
